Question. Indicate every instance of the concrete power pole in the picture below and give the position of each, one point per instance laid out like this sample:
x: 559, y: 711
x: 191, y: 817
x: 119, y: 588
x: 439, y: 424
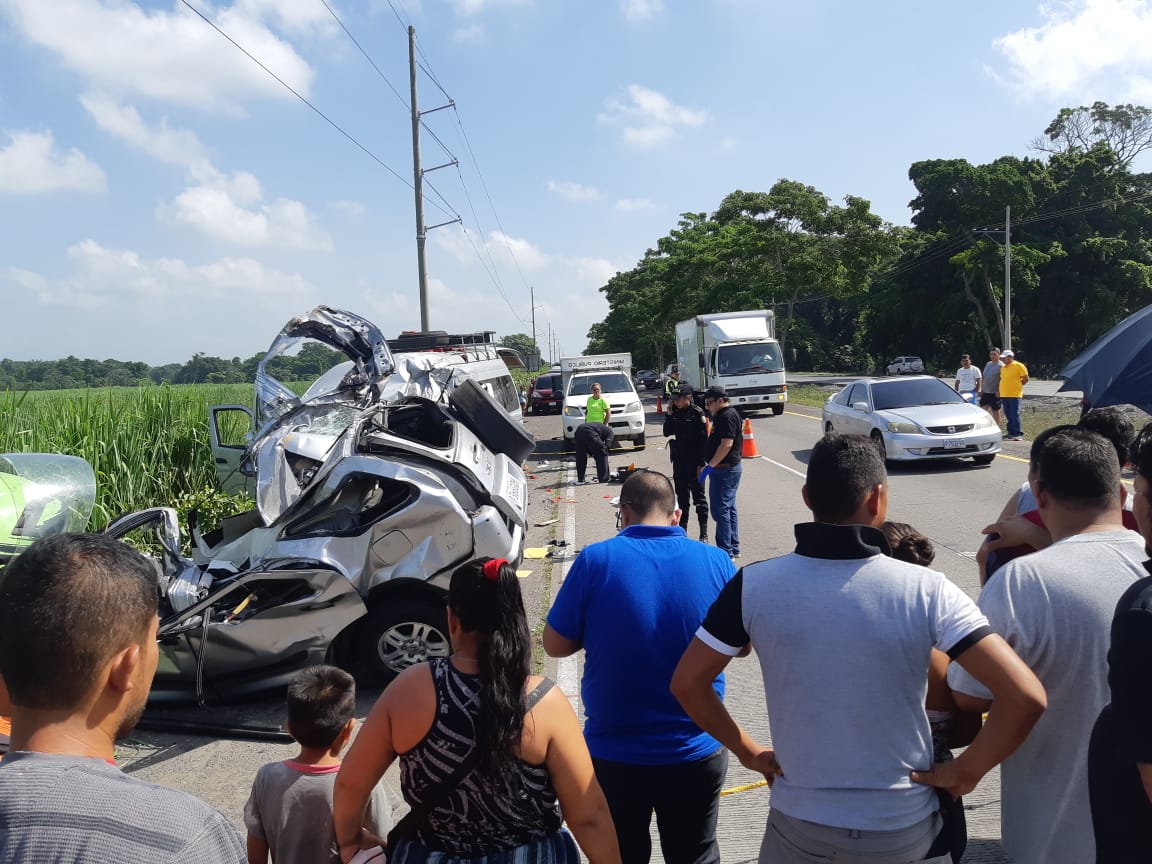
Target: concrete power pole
x: 532, y: 300
x: 1007, y: 278
x: 418, y: 183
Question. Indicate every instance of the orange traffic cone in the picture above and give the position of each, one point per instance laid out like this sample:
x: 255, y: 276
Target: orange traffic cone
x: 659, y: 406
x: 750, y: 451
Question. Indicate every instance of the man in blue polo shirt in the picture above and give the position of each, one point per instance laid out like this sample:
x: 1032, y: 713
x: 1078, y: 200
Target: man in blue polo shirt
x: 633, y: 603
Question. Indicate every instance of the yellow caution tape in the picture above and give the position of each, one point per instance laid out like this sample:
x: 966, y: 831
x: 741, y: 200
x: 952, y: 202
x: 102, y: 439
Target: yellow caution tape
x: 745, y: 788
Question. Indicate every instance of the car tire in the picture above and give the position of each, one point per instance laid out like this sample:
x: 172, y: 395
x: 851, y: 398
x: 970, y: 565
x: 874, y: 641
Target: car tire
x: 878, y: 440
x: 399, y: 631
x: 986, y: 459
x: 828, y: 430
x: 777, y: 410
x: 638, y: 442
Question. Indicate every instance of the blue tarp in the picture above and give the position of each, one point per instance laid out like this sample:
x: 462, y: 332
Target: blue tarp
x: 1116, y: 369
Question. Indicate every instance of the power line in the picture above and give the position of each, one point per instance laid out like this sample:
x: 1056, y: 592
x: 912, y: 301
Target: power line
x: 304, y: 99
x: 379, y: 72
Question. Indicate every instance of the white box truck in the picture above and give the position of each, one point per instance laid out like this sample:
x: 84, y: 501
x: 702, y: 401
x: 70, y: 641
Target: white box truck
x: 739, y: 352
x: 613, y: 372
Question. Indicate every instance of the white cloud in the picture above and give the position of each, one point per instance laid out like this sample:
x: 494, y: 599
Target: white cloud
x: 1084, y: 50
x: 594, y: 272
x: 629, y: 205
x: 471, y: 34
x: 171, y: 56
x: 640, y: 10
x: 476, y: 7
x: 351, y: 208
x: 468, y: 248
x: 103, y: 276
x: 178, y: 147
x: 232, y: 210
x: 649, y: 118
x: 573, y: 192
x: 32, y: 163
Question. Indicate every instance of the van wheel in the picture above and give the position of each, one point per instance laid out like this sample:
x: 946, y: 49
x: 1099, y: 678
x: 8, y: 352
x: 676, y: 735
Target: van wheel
x: 401, y: 631
x: 638, y: 442
x: 777, y: 410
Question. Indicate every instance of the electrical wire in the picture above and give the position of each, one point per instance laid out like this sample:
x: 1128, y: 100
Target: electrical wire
x: 379, y: 72
x: 305, y: 100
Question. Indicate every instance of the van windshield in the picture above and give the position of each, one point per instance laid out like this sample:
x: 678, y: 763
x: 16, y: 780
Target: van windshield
x: 610, y: 382
x: 749, y: 358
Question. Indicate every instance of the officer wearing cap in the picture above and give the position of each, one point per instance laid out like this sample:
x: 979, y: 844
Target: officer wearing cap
x: 722, y: 456
x: 686, y: 427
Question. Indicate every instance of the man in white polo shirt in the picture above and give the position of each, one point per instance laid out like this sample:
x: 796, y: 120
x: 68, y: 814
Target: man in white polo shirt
x: 843, y: 633
x: 968, y: 378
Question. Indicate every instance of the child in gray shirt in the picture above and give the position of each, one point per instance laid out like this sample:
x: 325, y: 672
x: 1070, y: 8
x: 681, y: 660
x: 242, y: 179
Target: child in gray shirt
x: 289, y: 812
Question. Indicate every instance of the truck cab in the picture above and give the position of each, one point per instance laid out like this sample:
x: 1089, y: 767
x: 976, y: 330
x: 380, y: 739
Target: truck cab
x: 737, y: 351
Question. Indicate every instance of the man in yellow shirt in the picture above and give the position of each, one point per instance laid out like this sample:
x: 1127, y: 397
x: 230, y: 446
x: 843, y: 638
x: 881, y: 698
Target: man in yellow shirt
x: 1013, y: 377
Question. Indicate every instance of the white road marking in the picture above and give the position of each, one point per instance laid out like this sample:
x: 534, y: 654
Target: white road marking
x: 567, y: 668
x: 785, y: 467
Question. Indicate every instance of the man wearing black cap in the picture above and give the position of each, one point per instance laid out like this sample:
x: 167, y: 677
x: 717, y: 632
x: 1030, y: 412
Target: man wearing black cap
x: 686, y: 428
x: 722, y: 456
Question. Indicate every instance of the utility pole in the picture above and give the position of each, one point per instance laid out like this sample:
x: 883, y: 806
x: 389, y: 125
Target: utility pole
x: 1007, y: 278
x: 418, y: 184
x: 532, y: 300
x: 551, y: 353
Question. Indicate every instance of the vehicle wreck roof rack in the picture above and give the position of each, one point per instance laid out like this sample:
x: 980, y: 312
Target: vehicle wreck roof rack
x: 439, y: 340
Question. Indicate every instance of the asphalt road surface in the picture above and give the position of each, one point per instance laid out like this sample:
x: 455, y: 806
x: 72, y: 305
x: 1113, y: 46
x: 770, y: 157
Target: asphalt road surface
x: 948, y: 502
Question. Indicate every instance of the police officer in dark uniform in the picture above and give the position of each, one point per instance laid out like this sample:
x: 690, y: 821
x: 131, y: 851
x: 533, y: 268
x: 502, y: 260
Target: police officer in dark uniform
x: 685, y: 424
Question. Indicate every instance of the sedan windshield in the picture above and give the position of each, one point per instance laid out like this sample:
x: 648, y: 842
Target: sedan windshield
x: 906, y: 394
x: 749, y: 358
x: 610, y: 382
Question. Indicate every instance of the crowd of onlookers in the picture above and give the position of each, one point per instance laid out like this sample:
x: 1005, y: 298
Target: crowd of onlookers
x: 875, y: 668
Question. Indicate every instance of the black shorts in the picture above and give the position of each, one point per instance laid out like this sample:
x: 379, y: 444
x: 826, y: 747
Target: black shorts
x: 990, y: 400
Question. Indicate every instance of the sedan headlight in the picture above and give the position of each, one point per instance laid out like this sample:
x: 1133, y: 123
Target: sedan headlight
x: 573, y: 411
x: 631, y: 407
x: 985, y: 422
x: 903, y: 428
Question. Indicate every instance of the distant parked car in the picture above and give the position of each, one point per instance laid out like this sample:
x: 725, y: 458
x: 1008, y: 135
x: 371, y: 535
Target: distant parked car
x: 913, y: 418
x: 906, y: 366
x: 649, y: 379
x: 547, y: 394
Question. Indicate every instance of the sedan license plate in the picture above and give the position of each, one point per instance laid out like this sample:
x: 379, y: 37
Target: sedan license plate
x: 954, y: 444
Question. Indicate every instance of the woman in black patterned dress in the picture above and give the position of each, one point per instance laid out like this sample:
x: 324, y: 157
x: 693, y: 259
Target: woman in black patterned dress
x: 492, y: 759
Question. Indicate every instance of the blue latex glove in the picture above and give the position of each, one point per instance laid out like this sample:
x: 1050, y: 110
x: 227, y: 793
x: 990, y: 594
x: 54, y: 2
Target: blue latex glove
x: 704, y: 472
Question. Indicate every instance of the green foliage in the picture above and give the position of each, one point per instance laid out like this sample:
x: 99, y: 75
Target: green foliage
x: 148, y: 445
x: 211, y: 507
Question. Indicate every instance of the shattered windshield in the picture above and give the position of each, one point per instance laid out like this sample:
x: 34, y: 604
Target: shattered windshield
x: 749, y: 358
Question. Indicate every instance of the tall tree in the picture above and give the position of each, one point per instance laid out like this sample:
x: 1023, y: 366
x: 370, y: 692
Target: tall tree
x: 1127, y: 129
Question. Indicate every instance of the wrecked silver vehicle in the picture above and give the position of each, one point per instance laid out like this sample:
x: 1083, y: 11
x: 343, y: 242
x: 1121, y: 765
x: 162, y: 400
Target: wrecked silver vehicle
x: 388, y: 474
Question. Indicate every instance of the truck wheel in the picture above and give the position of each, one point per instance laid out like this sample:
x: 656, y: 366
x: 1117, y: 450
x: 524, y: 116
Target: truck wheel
x: 400, y: 631
x: 778, y: 409
x: 638, y: 442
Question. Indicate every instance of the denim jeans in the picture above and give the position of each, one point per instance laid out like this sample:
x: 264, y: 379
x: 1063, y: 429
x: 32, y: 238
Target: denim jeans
x: 725, y: 482
x: 1012, y: 415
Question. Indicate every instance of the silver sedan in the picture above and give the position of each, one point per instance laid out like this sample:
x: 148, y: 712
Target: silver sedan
x: 912, y: 419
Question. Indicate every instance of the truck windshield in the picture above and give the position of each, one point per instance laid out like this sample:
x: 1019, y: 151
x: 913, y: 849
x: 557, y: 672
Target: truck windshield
x: 749, y: 358
x: 610, y: 382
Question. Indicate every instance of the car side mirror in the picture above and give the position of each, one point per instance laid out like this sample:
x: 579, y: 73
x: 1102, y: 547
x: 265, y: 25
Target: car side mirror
x: 860, y: 406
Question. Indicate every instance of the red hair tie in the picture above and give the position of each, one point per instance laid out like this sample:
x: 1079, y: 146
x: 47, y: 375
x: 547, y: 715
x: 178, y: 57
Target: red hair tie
x: 492, y: 568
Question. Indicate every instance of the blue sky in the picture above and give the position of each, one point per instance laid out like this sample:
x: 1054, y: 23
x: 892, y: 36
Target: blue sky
x: 160, y: 194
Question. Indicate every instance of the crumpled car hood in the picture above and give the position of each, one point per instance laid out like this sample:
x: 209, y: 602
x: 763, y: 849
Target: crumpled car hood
x: 358, y: 338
